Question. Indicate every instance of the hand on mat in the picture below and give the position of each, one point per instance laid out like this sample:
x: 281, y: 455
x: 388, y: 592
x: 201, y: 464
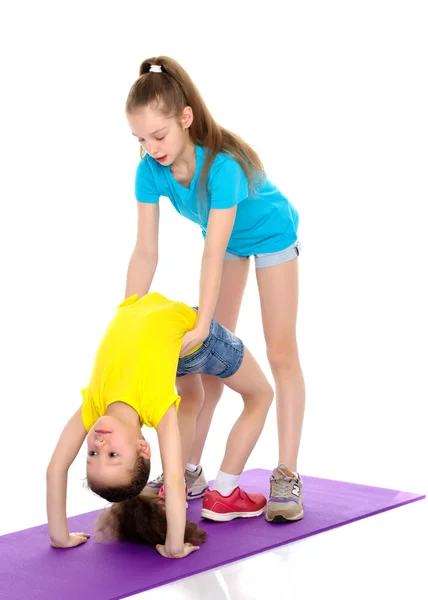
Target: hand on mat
x: 192, y: 339
x: 74, y: 539
x: 187, y: 549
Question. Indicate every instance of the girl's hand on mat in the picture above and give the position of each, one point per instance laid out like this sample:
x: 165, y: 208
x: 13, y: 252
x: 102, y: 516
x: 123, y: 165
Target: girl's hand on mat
x: 74, y: 539
x: 187, y: 549
x: 191, y: 339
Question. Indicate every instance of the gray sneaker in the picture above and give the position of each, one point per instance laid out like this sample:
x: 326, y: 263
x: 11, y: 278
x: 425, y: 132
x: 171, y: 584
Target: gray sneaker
x: 285, y: 499
x: 154, y: 486
x: 197, y: 485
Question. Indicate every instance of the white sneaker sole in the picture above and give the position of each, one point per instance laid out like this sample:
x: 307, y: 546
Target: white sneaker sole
x: 222, y: 517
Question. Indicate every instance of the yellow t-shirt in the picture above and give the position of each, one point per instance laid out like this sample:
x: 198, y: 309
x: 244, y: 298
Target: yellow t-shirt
x: 136, y: 361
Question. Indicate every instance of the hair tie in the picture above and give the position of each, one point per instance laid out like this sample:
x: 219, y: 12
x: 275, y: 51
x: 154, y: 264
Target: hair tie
x: 147, y: 68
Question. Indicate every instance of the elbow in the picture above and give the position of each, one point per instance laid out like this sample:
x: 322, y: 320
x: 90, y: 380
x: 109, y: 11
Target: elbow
x: 213, y: 255
x: 53, y: 469
x: 145, y: 254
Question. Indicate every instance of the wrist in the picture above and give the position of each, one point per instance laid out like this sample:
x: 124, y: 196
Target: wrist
x: 203, y: 327
x: 59, y: 542
x: 174, y: 549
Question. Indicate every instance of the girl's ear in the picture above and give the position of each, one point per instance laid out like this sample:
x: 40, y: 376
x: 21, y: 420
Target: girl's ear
x: 145, y: 450
x: 186, y: 118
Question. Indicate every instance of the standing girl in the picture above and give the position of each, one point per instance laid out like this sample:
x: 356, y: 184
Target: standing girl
x: 215, y: 179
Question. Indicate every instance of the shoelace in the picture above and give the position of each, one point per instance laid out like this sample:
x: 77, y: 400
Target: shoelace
x: 282, y: 486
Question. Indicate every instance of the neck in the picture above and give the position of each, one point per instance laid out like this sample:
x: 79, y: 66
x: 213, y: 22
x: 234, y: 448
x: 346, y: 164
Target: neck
x: 126, y: 414
x: 187, y: 159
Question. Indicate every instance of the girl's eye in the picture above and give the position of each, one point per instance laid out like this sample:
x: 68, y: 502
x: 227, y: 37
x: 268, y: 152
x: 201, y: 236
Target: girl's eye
x: 159, y: 139
x: 93, y: 453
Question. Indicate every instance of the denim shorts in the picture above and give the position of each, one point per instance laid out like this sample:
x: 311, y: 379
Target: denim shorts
x: 271, y: 258
x: 221, y: 354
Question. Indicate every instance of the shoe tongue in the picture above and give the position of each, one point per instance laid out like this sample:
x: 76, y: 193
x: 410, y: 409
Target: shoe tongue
x: 282, y: 471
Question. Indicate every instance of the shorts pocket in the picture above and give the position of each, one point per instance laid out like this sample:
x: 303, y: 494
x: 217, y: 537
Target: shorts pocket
x: 216, y: 365
x: 192, y: 361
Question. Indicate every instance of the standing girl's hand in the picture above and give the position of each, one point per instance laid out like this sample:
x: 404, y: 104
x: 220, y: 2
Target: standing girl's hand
x: 192, y: 339
x: 187, y: 549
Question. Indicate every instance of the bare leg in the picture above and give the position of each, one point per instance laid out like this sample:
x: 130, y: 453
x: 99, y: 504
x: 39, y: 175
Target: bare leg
x: 234, y: 278
x: 251, y: 383
x: 191, y: 390
x: 278, y: 287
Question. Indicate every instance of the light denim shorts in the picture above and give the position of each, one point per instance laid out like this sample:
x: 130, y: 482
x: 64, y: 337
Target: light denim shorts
x: 221, y: 354
x: 271, y: 258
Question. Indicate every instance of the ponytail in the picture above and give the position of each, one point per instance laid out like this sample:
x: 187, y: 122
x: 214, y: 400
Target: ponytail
x: 165, y: 83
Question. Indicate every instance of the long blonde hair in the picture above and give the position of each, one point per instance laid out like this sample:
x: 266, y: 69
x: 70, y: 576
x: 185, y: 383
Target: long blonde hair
x: 173, y: 89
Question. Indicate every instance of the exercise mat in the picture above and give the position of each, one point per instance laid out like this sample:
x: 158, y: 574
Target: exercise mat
x: 31, y: 569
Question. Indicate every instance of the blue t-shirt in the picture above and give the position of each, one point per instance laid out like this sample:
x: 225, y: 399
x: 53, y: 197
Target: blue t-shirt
x: 265, y: 220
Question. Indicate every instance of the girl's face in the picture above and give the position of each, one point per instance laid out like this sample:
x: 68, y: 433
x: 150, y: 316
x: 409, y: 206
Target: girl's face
x: 113, y: 448
x: 163, y: 138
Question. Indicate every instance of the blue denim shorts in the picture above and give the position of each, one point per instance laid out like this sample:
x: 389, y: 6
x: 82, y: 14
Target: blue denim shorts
x: 271, y: 258
x: 221, y: 354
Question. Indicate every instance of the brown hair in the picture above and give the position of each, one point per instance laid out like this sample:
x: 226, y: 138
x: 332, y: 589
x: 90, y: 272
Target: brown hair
x: 141, y: 520
x: 173, y: 90
x: 139, y: 479
x: 134, y: 517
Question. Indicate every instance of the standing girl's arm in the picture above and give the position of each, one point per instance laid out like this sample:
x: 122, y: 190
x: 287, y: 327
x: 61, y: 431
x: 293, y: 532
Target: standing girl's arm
x: 220, y: 225
x: 219, y: 229
x: 69, y: 444
x: 228, y: 186
x: 144, y: 259
x: 175, y: 494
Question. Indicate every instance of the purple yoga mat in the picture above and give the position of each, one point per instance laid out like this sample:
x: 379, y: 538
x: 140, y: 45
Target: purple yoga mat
x: 31, y: 569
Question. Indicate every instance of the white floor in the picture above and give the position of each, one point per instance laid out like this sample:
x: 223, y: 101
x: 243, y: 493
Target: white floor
x: 382, y: 557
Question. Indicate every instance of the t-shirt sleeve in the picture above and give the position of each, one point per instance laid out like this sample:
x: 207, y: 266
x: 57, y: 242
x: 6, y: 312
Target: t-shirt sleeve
x: 88, y: 415
x: 227, y: 183
x: 161, y: 407
x: 145, y: 185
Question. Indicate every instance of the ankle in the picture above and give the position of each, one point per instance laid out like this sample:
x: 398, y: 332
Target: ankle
x: 191, y: 467
x: 225, y: 484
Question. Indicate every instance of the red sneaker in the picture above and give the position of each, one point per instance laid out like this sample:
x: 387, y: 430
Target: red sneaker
x: 162, y: 494
x: 238, y: 504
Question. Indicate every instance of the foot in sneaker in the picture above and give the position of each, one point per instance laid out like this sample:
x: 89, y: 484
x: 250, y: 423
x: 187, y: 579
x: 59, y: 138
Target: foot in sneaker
x: 285, y: 498
x: 154, y: 486
x: 196, y: 483
x: 216, y: 507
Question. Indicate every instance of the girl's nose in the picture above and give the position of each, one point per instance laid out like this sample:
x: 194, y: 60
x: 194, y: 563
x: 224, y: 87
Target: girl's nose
x: 152, y: 148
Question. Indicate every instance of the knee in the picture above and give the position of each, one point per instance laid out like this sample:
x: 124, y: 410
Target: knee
x: 267, y: 396
x: 259, y: 399
x: 283, y: 357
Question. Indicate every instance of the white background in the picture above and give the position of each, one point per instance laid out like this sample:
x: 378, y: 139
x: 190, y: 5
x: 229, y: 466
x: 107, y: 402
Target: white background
x: 333, y: 96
